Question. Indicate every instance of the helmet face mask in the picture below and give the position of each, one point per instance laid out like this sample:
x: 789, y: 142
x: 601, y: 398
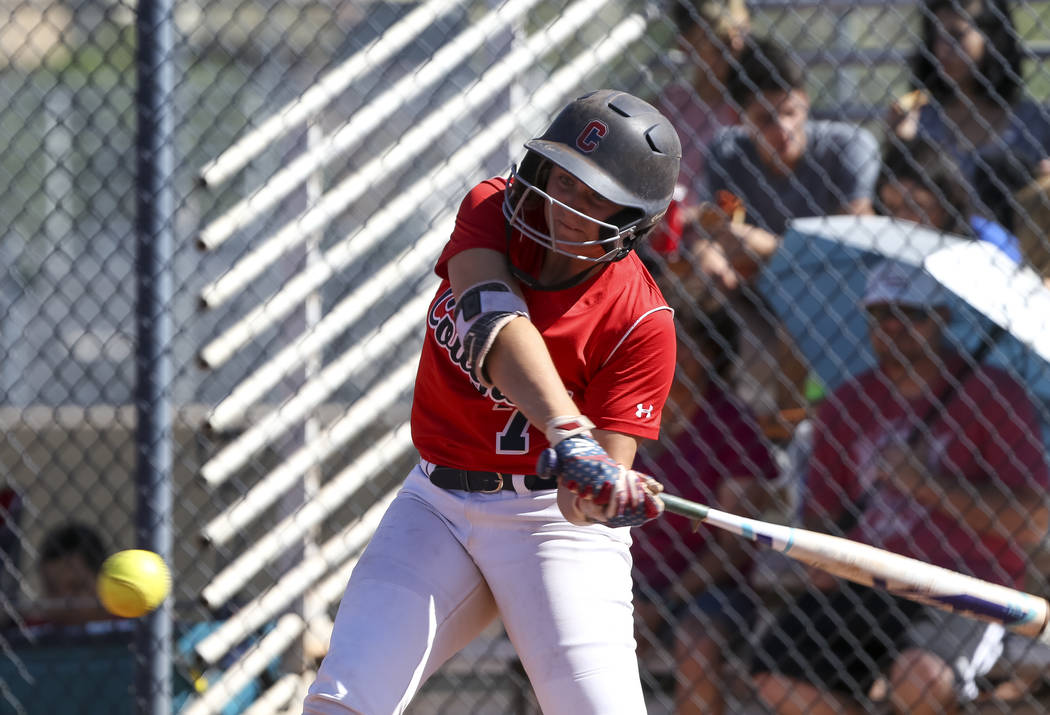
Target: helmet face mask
x: 528, y: 201
x: 619, y: 146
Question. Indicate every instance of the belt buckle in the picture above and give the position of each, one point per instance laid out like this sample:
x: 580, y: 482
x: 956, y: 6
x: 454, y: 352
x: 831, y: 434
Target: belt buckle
x: 499, y: 485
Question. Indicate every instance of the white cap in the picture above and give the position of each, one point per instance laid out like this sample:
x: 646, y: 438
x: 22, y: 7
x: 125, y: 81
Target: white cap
x: 901, y: 284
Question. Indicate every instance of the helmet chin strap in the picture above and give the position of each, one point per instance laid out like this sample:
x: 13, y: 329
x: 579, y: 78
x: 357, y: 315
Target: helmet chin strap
x: 533, y: 283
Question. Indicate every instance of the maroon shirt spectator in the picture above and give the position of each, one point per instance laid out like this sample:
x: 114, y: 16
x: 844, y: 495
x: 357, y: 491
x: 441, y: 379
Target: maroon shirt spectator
x: 722, y: 442
x: 1000, y: 444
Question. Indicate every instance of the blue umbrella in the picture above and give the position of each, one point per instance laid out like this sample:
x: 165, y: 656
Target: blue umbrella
x: 817, y: 276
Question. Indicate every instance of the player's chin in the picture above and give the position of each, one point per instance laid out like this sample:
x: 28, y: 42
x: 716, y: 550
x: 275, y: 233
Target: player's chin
x: 588, y: 252
x: 568, y: 241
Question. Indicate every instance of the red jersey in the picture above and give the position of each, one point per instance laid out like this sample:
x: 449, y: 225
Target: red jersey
x: 611, y: 339
x: 987, y: 432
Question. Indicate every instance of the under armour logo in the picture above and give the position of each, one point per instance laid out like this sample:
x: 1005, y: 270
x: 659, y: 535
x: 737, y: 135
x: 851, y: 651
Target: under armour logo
x: 644, y: 411
x: 591, y: 135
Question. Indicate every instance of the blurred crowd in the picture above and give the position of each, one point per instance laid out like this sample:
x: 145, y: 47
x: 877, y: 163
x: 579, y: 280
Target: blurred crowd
x: 926, y: 447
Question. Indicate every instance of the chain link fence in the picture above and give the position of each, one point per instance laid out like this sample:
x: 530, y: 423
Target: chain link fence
x: 321, y: 151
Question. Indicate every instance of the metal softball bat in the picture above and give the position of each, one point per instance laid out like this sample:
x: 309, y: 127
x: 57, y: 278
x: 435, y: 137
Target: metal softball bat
x: 870, y: 566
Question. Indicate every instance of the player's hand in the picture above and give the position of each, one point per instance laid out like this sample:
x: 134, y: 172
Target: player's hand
x: 634, y: 501
x: 604, y: 490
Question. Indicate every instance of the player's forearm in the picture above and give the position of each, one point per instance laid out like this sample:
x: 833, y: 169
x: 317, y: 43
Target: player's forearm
x: 522, y: 369
x: 520, y: 365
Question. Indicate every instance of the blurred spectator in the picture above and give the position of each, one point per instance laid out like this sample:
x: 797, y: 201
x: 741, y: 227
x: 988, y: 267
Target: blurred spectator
x: 782, y: 165
x: 10, y: 546
x: 921, y: 184
x: 969, y: 101
x: 710, y: 451
x: 780, y: 162
x: 1033, y: 232
x: 70, y: 558
x: 710, y: 33
x: 929, y: 457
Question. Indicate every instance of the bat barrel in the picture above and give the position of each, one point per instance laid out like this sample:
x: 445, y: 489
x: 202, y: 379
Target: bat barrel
x: 871, y: 566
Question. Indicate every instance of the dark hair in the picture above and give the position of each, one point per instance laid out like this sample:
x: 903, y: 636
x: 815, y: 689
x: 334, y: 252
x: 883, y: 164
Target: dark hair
x: 1000, y: 68
x: 764, y: 66
x: 998, y: 175
x: 72, y: 539
x: 926, y: 165
x: 715, y: 331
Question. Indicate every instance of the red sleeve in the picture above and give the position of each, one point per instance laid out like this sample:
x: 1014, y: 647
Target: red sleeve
x: 479, y: 223
x: 629, y: 391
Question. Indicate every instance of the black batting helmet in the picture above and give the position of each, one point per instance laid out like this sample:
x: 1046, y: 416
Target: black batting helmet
x: 618, y: 145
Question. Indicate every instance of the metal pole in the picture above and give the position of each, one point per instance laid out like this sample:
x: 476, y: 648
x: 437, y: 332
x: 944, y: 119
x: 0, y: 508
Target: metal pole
x: 312, y: 312
x: 154, y: 444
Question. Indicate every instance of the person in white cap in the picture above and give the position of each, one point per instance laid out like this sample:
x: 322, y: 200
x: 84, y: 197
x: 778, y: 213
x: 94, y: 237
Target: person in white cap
x: 927, y: 455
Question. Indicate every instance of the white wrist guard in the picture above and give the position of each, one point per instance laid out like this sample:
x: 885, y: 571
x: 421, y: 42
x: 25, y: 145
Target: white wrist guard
x: 481, y: 312
x: 559, y: 428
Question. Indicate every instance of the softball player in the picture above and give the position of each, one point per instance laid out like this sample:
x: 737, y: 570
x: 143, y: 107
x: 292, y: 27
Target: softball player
x: 548, y: 355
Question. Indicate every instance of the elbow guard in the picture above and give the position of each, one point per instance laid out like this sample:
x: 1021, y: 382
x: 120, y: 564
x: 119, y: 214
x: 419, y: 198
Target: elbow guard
x: 481, y: 312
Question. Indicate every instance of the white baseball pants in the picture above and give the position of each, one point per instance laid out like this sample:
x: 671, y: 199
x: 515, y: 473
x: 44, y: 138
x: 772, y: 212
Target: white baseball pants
x: 443, y: 564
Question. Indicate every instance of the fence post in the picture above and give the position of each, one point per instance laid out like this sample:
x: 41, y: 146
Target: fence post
x: 154, y: 443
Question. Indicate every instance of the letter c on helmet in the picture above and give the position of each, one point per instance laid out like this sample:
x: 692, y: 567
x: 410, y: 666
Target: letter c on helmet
x: 591, y: 135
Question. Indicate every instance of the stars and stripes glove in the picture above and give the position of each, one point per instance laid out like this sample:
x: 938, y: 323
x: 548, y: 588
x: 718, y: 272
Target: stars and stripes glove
x: 605, y: 490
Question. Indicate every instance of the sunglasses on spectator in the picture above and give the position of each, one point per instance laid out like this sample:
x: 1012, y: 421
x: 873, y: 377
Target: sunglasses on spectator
x: 886, y: 311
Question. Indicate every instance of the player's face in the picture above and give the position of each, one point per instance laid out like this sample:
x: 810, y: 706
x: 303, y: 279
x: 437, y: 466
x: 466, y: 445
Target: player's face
x: 777, y: 122
x: 906, y: 199
x: 569, y: 227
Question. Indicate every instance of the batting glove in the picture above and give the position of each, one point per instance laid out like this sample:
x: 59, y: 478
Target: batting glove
x: 605, y: 490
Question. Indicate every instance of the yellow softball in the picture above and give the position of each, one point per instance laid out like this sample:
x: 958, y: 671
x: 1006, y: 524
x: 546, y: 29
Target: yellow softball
x: 132, y: 583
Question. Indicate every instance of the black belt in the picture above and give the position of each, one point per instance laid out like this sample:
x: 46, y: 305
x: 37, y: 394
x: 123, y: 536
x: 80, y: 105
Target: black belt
x: 470, y: 481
